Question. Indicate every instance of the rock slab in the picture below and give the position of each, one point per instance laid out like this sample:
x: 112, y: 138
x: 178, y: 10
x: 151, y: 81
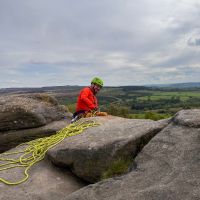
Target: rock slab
x: 28, y: 111
x: 92, y: 154
x: 167, y: 168
x: 46, y: 182
x: 28, y: 116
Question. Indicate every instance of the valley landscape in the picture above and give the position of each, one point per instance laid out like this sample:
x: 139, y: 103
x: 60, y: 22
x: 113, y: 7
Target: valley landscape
x: 148, y: 102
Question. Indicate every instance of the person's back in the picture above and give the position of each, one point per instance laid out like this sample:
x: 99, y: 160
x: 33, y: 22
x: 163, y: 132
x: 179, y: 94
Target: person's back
x: 86, y: 100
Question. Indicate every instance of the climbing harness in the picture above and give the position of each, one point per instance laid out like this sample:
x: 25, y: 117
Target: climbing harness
x: 35, y: 150
x: 86, y: 114
x: 82, y: 114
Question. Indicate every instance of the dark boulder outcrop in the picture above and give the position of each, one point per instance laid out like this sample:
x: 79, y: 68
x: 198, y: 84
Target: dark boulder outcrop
x: 167, y: 168
x: 28, y: 111
x: 29, y: 116
x: 115, y: 142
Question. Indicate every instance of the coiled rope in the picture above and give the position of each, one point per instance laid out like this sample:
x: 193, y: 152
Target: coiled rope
x: 35, y: 150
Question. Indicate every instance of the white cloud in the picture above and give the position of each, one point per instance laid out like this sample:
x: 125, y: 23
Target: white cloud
x: 125, y: 42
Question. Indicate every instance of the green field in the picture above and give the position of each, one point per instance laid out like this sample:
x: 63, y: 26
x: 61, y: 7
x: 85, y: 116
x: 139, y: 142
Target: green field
x: 167, y: 95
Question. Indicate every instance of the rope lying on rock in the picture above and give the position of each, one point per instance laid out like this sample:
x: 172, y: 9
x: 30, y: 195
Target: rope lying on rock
x: 35, y: 150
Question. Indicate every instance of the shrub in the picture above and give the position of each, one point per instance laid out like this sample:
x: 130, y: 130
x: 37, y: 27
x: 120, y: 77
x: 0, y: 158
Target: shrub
x: 118, y: 110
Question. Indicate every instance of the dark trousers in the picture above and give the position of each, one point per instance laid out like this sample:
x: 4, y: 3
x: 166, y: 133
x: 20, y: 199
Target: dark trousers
x: 78, y: 113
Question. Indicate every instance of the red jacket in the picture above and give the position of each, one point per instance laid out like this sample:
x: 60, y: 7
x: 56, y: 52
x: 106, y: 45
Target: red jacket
x: 86, y: 100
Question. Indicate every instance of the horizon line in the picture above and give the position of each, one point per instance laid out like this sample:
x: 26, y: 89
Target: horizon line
x: 145, y: 85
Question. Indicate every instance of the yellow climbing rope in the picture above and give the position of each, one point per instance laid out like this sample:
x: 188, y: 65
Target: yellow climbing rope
x: 35, y: 150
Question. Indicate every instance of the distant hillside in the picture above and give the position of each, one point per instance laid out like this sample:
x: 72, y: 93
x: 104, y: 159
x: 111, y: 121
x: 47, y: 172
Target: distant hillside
x: 55, y: 89
x: 67, y: 88
x: 177, y: 85
x: 63, y: 89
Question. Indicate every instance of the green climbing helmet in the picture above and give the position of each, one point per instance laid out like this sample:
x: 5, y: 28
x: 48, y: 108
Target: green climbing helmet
x: 97, y: 81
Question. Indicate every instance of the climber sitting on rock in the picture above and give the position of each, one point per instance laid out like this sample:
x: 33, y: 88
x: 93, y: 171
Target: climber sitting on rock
x: 87, y: 104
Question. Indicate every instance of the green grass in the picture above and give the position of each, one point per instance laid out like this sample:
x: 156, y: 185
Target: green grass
x: 117, y: 167
x: 156, y: 95
x: 153, y: 98
x: 149, y: 115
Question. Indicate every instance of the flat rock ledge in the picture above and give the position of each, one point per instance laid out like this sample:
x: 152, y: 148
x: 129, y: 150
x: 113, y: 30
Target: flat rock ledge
x: 46, y: 182
x: 93, y: 154
x: 167, y: 168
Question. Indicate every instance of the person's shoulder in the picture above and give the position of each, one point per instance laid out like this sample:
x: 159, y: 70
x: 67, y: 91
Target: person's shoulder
x: 86, y: 89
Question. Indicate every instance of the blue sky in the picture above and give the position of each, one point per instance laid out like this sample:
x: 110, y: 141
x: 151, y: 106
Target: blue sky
x: 125, y: 42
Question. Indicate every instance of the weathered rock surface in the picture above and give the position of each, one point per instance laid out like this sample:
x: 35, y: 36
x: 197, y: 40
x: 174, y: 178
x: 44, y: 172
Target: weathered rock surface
x: 167, y: 168
x: 92, y: 154
x: 29, y: 111
x: 29, y: 116
x: 46, y: 182
x: 189, y: 118
x: 10, y: 139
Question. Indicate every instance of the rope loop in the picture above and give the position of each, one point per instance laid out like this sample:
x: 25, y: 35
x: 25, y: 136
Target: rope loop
x: 35, y: 150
